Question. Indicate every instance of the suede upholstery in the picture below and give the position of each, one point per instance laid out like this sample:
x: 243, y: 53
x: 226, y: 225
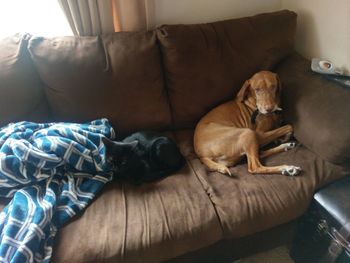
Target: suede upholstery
x: 167, y: 79
x: 22, y: 96
x: 318, y: 109
x: 148, y: 223
x: 117, y: 76
x: 261, y: 199
x: 207, y: 64
x: 191, y: 209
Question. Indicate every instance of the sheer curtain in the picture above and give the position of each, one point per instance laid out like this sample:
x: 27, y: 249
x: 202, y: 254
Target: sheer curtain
x: 94, y: 17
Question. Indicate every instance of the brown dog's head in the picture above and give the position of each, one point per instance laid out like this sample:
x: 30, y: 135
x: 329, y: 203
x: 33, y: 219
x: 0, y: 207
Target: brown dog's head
x: 264, y: 88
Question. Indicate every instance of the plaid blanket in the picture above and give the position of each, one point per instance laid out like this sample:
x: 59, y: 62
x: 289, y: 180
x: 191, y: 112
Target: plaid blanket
x: 51, y: 172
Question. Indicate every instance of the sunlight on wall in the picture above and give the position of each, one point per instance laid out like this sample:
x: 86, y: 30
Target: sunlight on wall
x: 37, y: 17
x: 204, y: 11
x: 323, y: 29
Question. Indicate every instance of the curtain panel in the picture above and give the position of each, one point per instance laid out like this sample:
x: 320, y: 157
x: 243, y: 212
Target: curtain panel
x: 95, y: 17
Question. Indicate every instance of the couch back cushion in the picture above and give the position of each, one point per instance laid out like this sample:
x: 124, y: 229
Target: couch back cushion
x: 318, y: 109
x: 22, y: 95
x: 117, y: 76
x: 206, y: 64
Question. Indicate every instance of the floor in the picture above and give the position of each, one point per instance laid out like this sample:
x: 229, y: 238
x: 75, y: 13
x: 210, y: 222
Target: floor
x: 277, y: 255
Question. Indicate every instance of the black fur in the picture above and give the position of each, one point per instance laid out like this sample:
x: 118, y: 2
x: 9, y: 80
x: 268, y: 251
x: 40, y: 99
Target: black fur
x: 144, y: 157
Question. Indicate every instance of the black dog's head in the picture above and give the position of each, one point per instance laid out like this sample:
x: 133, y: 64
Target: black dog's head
x: 121, y: 153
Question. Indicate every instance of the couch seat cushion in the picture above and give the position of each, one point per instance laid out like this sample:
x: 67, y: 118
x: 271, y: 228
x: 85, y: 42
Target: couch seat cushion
x: 147, y: 223
x: 248, y: 203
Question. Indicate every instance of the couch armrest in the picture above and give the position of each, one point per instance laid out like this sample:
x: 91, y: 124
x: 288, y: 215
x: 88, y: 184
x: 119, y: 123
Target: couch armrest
x: 318, y: 109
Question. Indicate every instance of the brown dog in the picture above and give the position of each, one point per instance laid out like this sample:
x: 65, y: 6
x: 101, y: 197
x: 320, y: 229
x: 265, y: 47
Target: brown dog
x: 227, y: 132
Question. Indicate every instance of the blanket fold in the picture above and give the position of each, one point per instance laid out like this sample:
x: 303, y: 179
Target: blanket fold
x: 51, y: 172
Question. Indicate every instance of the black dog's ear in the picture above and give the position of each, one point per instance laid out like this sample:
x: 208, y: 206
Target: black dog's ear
x: 116, y: 148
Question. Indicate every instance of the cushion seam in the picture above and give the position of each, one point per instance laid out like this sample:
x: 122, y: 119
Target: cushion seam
x: 212, y: 203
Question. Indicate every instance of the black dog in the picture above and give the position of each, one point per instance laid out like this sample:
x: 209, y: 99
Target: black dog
x: 144, y: 157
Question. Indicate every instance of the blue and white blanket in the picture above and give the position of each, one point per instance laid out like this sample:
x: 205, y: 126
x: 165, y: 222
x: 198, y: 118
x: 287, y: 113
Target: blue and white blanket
x: 51, y: 172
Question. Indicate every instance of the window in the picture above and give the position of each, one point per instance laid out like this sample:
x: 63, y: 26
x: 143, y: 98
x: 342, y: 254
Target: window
x: 37, y: 17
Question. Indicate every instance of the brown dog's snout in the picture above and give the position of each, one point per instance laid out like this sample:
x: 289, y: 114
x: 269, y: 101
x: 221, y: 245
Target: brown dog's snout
x: 266, y: 102
x: 269, y: 108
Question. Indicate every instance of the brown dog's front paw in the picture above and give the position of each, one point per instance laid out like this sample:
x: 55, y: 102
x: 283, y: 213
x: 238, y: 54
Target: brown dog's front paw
x: 291, y: 170
x: 224, y: 170
x: 288, y: 146
x: 289, y: 130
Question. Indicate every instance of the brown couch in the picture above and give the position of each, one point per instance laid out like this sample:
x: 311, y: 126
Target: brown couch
x: 166, y: 80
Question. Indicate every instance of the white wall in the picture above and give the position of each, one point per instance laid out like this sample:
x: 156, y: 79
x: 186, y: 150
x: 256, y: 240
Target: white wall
x: 202, y: 11
x: 323, y: 25
x: 323, y: 29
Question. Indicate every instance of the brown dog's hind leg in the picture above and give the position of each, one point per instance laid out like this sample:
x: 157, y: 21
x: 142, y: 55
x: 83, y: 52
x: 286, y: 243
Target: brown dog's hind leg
x: 251, y: 148
x: 214, y: 166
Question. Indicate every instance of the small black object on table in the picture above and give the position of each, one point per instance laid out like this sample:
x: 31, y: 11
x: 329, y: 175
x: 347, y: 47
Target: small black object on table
x: 341, y: 80
x: 323, y: 233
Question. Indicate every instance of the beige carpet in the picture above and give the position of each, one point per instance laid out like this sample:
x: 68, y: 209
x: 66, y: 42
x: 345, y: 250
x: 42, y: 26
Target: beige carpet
x: 277, y: 255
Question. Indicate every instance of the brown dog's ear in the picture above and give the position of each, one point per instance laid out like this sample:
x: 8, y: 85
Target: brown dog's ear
x: 243, y: 91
